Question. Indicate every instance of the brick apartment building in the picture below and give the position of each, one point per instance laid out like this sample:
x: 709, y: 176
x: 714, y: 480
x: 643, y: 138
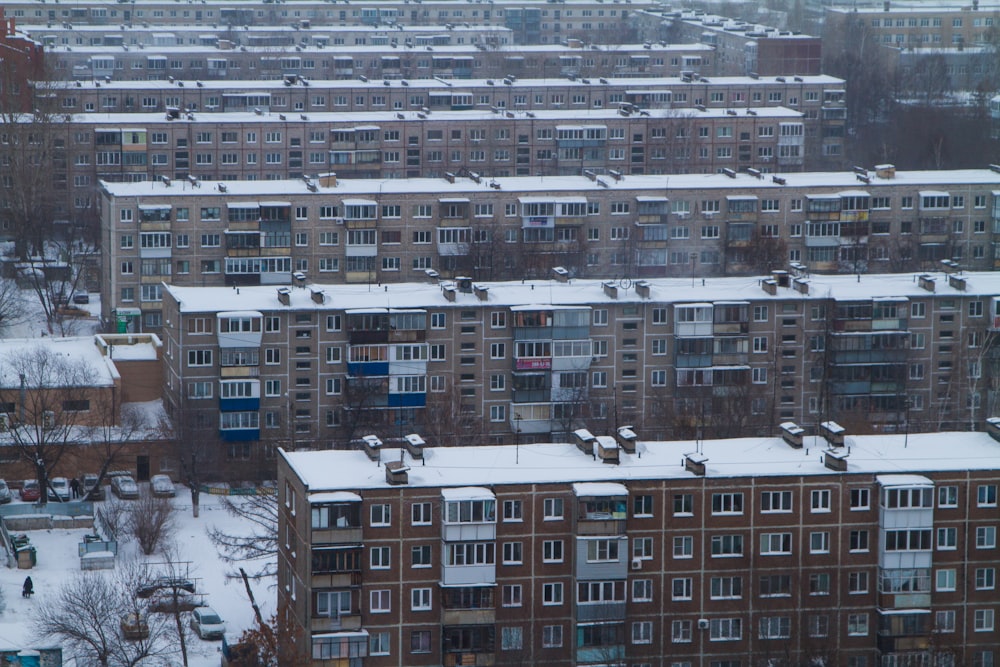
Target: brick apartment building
x: 388, y: 231
x: 874, y: 550
x: 531, y: 21
x: 472, y: 363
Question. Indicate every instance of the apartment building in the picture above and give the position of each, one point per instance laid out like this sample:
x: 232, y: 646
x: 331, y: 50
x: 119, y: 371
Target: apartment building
x: 822, y: 99
x: 249, y: 146
x: 609, y: 226
x: 741, y: 47
x: 914, y: 27
x: 532, y: 21
x: 392, y: 61
x: 722, y: 552
x: 469, y: 362
x: 141, y: 36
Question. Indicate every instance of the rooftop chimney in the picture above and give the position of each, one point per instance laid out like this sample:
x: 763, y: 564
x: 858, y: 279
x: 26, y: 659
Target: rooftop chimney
x: 833, y: 433
x: 372, y: 446
x: 396, y: 473
x: 792, y: 434
x: 414, y: 445
x: 284, y: 296
x: 695, y: 463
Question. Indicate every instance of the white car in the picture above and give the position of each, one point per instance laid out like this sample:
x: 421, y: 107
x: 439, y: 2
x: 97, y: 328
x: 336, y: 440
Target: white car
x: 207, y: 623
x: 59, y: 489
x: 162, y: 486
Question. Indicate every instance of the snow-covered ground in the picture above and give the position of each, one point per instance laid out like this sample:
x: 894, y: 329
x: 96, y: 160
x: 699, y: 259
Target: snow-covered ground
x: 58, y: 562
x: 33, y: 325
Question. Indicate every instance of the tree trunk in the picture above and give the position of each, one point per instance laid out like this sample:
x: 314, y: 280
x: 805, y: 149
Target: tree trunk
x: 195, y: 493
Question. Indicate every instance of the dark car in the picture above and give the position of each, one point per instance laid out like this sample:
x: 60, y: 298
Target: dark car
x: 91, y: 489
x: 5, y: 496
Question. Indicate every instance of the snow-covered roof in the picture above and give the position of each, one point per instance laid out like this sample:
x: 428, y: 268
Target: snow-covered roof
x: 582, y: 119
x: 595, y: 489
x: 467, y: 493
x: 101, y: 371
x: 903, y: 480
x: 827, y: 184
x: 577, y: 293
x: 334, y: 497
x: 634, y: 84
x: 455, y: 468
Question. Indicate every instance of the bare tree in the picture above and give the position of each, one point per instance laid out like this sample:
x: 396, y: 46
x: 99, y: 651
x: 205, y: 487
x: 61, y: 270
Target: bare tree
x: 91, y: 614
x: 12, y: 304
x: 51, y: 406
x: 151, y: 522
x: 257, y: 539
x: 55, y: 273
x: 449, y: 422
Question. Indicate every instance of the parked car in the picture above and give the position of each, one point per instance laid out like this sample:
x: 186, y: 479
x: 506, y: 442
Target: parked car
x: 59, y: 489
x: 162, y: 486
x: 5, y: 496
x: 81, y: 297
x: 91, y: 489
x: 207, y: 623
x: 30, y: 490
x: 124, y: 487
x: 167, y: 584
x: 163, y: 601
x: 134, y: 627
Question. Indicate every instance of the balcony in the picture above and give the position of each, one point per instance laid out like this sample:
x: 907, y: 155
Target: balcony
x: 336, y: 623
x: 603, y: 611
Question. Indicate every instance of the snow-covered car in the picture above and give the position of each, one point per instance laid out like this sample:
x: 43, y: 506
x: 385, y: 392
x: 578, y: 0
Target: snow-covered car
x: 207, y: 623
x: 166, y: 600
x: 91, y: 489
x: 5, y: 496
x: 30, y: 491
x: 162, y: 486
x: 81, y: 297
x: 59, y: 489
x: 134, y: 627
x: 124, y: 487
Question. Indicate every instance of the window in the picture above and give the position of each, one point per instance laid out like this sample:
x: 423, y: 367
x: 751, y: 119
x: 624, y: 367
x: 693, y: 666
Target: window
x: 860, y: 499
x: 380, y: 558
x: 683, y: 504
x: 381, y: 515
x: 680, y: 632
x: 857, y: 625
x: 726, y: 588
x: 642, y: 548
x: 775, y: 627
x: 380, y: 602
x: 819, y: 542
x: 857, y: 582
x: 420, y: 641
x: 772, y: 544
x: 684, y: 546
x: 986, y: 578
x: 511, y: 595
x: 642, y: 506
x: 776, y: 501
x: 642, y: 632
x: 552, y: 594
x: 820, y: 500
x: 642, y: 590
x: 420, y: 599
x: 552, y: 551
x: 983, y: 620
x: 945, y: 580
x: 727, y: 503
x: 724, y: 546
x: 986, y: 495
x: 512, y: 553
x: 512, y: 510
x: 986, y: 537
x: 858, y: 540
x: 420, y: 556
x: 552, y: 636
x: 947, y: 538
x: 819, y: 584
x: 947, y: 496
x: 944, y: 621
x: 725, y: 629
x: 552, y: 509
x: 378, y: 643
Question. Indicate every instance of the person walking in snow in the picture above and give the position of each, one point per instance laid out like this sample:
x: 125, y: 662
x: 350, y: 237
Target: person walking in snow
x: 28, y: 589
x: 75, y: 487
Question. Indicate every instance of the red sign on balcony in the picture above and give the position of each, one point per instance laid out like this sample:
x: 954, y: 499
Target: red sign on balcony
x: 534, y: 364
